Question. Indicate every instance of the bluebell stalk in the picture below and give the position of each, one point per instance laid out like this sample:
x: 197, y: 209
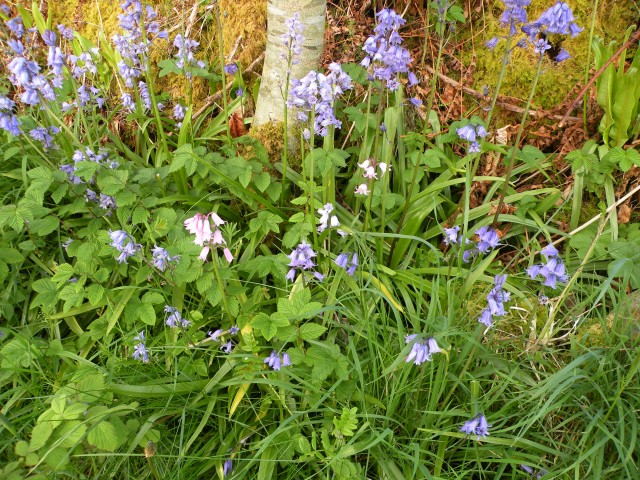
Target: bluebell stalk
x: 277, y: 361
x: 553, y: 271
x: 495, y: 300
x: 421, y: 351
x: 161, y: 258
x: 140, y: 351
x: 174, y: 318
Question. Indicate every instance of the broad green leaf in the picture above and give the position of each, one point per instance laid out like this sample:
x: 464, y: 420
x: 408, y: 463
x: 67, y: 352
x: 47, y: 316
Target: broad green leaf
x: 39, y: 436
x: 311, y: 331
x: 103, y: 436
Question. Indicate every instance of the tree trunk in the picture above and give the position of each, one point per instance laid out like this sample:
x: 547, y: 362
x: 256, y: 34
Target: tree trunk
x: 270, y: 107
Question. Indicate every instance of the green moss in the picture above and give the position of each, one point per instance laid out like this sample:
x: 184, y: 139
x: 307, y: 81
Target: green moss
x: 271, y: 136
x: 557, y: 80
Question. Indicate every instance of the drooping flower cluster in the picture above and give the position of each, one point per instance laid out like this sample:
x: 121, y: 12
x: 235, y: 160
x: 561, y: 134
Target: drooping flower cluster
x: 347, y: 261
x: 369, y: 171
x: 185, y: 56
x: 478, y: 426
x: 385, y: 55
x: 293, y: 39
x: 315, y: 94
x: 558, y: 19
x: 174, y: 318
x: 495, y: 301
x: 534, y: 473
x: 161, y: 258
x: 125, y: 244
x: 218, y: 336
x: 301, y: 259
x: 451, y: 235
x: 101, y: 158
x: 553, y: 271
x: 422, y: 350
x: 277, y: 361
x: 231, y: 68
x: 43, y: 135
x: 327, y: 220
x: 470, y: 133
x: 140, y: 351
x: 106, y: 202
x: 8, y: 121
x: 227, y: 467
x: 140, y: 29
x: 24, y: 73
x: 487, y: 240
x: 200, y: 226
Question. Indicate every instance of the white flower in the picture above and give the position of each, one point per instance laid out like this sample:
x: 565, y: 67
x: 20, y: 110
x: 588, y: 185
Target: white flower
x: 362, y: 189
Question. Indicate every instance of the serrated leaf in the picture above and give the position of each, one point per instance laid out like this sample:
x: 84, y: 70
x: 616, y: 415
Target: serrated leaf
x: 139, y: 215
x: 72, y: 295
x: 265, y: 222
x: 262, y: 181
x: 311, y: 331
x: 268, y: 325
x: 263, y: 265
x: 299, y: 306
x: 63, y: 273
x: 295, y: 233
x: 71, y: 433
x: 4, y: 271
x: 39, y: 436
x: 103, y: 436
x: 153, y: 298
x: 94, y: 293
x: 44, y: 226
x: 146, y: 313
x: 11, y: 255
x: 112, y: 181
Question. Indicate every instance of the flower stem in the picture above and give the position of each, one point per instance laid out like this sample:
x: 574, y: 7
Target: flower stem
x: 514, y: 150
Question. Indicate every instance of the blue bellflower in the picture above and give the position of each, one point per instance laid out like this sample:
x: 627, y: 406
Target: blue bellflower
x: 140, y: 351
x: 476, y: 426
x: 421, y: 351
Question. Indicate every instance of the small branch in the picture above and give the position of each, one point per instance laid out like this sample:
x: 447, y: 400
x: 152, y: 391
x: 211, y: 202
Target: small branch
x: 501, y: 102
x: 626, y: 45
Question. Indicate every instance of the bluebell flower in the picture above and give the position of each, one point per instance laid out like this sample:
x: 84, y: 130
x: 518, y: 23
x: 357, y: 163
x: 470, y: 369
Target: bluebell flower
x: 239, y: 92
x: 5, y: 8
x: 161, y: 258
x: 491, y: 44
x: 16, y: 45
x: 495, y: 301
x: 385, y: 56
x: 231, y: 68
x: 178, y: 111
x: 415, y: 101
x: 125, y: 244
x: 476, y: 426
x: 538, y: 474
x: 514, y: 14
x: 144, y: 95
x: 540, y: 46
x: 185, y: 55
x: 43, y: 135
x: 65, y: 32
x: 293, y: 39
x: 234, y: 330
x: 421, y: 351
x: 301, y: 259
x: 16, y: 26
x: 174, y: 318
x: 488, y: 239
x: 553, y: 271
x: 227, y: 347
x: 559, y: 19
x: 49, y: 38
x: 140, y: 351
x: 470, y: 132
x: 451, y: 235
x: 347, y: 261
x: 276, y: 361
x: 227, y: 467
x: 562, y: 55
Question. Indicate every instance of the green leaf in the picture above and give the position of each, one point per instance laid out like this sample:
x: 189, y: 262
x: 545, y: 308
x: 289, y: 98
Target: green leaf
x: 72, y: 295
x: 295, y: 233
x: 299, y: 305
x: 103, y: 436
x: 311, y: 331
x: 262, y: 180
x: 11, y: 255
x: 112, y: 181
x: 166, y: 219
x: 183, y: 156
x: 268, y: 325
x: 44, y: 226
x: 39, y: 436
x: 94, y: 293
x: 346, y: 425
x: 152, y: 297
x: 265, y: 222
x: 63, y: 273
x: 146, y: 313
x: 263, y: 265
x: 139, y: 215
x: 71, y: 433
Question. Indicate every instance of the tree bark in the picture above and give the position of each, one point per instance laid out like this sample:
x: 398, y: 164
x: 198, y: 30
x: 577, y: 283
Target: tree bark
x: 270, y: 106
